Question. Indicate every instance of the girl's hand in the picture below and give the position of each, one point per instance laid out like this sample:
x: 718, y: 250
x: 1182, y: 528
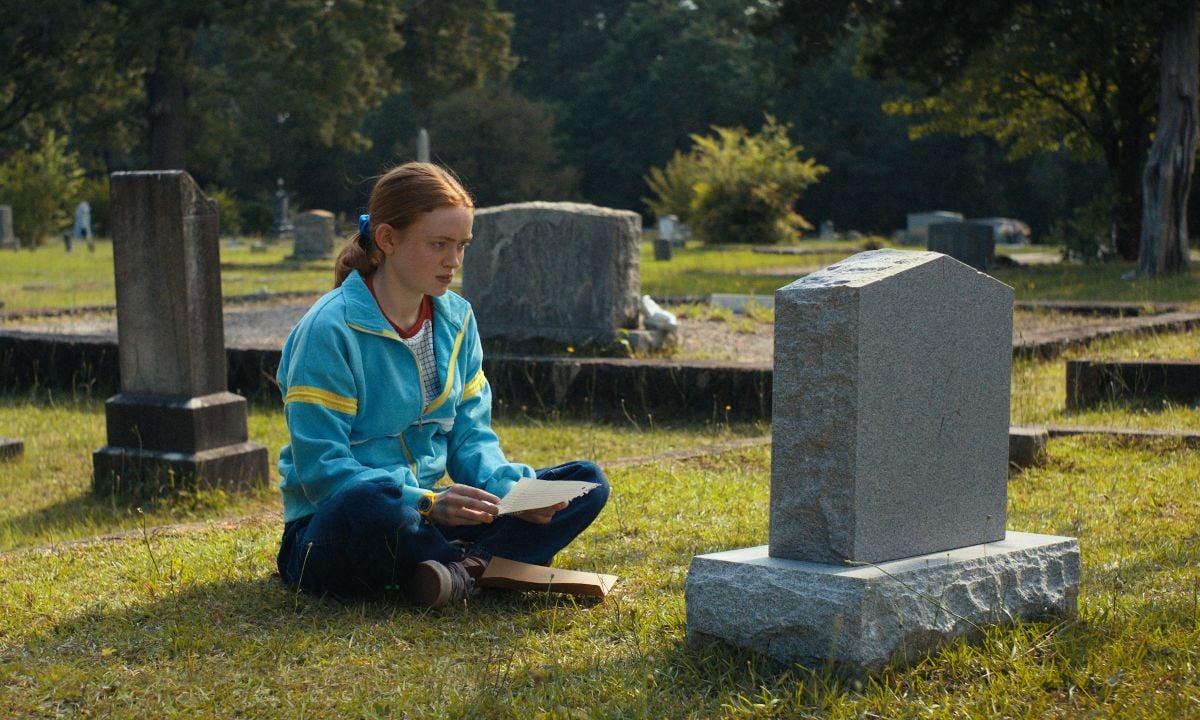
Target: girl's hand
x: 464, y: 505
x: 540, y: 516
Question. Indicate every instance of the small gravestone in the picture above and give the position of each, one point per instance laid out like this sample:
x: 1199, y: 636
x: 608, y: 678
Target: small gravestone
x: 173, y: 426
x: 7, y: 239
x: 314, y: 230
x: 971, y: 243
x: 282, y: 224
x: 918, y: 224
x: 423, y: 146
x: 81, y: 229
x: 667, y: 236
x: 11, y: 448
x: 564, y: 272
x: 827, y: 231
x: 888, y: 476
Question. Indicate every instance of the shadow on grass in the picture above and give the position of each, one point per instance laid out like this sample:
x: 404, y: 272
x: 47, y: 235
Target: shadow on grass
x: 87, y: 515
x: 330, y: 654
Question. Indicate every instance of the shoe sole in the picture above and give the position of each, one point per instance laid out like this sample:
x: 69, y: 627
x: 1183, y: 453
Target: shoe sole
x: 430, y: 585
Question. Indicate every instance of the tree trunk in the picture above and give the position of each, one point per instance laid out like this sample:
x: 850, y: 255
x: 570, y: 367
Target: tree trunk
x: 166, y: 96
x: 1166, y: 181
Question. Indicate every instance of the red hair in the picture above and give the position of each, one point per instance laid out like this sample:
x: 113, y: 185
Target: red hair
x: 399, y: 198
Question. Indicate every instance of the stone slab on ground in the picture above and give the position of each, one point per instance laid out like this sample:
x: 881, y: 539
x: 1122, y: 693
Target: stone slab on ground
x: 1187, y: 437
x: 1090, y: 382
x: 864, y: 617
x: 11, y: 448
x: 1027, y: 446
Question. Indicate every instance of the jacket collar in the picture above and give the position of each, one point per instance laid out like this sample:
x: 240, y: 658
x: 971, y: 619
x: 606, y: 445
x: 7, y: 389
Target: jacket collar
x: 363, y: 312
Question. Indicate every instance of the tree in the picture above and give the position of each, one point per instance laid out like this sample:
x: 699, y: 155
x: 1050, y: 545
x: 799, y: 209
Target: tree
x: 736, y: 187
x: 630, y: 82
x: 1038, y: 77
x: 40, y: 183
x: 502, y: 146
x: 58, y: 70
x: 1163, y: 248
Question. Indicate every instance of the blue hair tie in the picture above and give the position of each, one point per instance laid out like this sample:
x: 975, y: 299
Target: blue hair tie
x: 364, y: 226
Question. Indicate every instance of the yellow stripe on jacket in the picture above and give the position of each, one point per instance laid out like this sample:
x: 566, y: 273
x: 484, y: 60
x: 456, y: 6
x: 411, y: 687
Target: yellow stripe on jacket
x: 475, y: 386
x: 324, y: 398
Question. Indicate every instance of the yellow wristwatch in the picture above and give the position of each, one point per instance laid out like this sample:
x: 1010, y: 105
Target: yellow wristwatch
x: 426, y: 503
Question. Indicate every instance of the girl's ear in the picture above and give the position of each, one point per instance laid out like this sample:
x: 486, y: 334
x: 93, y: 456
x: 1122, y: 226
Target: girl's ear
x: 385, y: 238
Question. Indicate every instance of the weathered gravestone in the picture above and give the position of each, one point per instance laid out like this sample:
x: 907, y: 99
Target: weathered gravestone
x: 889, y: 465
x: 282, y: 224
x: 7, y: 239
x: 565, y: 272
x: 314, y: 231
x: 967, y: 242
x: 917, y: 224
x: 423, y: 146
x: 81, y: 229
x: 174, y: 424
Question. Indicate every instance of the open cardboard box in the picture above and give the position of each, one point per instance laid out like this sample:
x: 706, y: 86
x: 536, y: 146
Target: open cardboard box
x: 513, y: 575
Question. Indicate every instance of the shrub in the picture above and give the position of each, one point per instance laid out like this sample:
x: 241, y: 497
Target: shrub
x: 733, y: 186
x: 1088, y: 234
x: 42, y: 184
x: 227, y: 208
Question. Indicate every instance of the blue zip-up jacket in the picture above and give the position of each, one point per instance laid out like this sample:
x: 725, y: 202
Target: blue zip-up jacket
x: 353, y: 401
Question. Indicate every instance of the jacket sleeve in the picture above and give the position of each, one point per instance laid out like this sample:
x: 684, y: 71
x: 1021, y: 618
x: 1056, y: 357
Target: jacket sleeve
x: 473, y: 451
x: 321, y: 391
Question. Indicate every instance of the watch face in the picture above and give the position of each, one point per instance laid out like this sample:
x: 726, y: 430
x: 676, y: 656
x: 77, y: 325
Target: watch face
x: 425, y: 504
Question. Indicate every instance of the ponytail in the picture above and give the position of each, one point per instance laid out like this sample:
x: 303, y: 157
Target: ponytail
x: 355, y: 255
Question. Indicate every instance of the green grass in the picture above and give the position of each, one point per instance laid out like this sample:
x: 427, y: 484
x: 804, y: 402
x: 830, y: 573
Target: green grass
x: 46, y: 494
x: 50, y: 277
x: 194, y: 625
x: 703, y: 269
x: 1039, y: 389
x: 1097, y: 281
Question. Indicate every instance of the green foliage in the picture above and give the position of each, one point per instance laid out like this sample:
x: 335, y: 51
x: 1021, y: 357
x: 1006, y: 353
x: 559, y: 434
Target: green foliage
x: 1087, y: 234
x: 42, y: 184
x: 733, y: 186
x: 631, y: 79
x: 228, y: 209
x: 58, y: 69
x: 257, y: 214
x: 502, y: 146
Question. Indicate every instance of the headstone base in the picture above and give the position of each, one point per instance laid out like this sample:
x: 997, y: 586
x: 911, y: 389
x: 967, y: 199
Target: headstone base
x: 130, y: 472
x: 176, y: 423
x: 861, y: 618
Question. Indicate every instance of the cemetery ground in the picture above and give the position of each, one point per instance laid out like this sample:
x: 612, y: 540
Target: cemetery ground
x: 171, y: 608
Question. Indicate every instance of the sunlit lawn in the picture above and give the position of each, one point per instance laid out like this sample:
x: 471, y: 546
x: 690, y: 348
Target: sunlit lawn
x: 51, y: 277
x: 191, y: 623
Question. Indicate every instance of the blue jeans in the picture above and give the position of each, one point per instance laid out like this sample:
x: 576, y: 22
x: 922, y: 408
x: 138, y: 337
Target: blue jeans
x: 364, y: 538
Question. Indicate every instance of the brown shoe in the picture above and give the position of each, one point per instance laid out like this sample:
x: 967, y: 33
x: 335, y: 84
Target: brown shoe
x: 434, y: 584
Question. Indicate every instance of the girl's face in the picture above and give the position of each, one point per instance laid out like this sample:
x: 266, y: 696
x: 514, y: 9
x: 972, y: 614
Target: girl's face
x: 424, y: 256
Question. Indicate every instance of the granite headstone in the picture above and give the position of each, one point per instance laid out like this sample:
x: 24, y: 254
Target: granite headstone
x: 7, y: 239
x: 971, y: 243
x: 314, y: 231
x: 891, y: 437
x: 888, y: 476
x: 566, y: 272
x: 173, y: 425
